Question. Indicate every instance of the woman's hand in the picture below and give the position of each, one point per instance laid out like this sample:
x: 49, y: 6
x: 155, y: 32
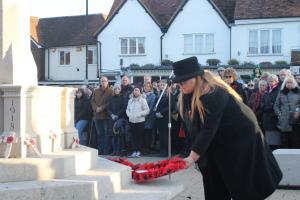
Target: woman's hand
x: 188, y: 162
x: 191, y: 159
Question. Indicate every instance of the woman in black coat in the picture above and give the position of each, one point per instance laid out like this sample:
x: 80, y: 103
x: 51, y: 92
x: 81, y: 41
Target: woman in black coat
x: 270, y: 120
x: 161, y: 119
x: 227, y: 143
x: 116, y: 112
x: 83, y: 113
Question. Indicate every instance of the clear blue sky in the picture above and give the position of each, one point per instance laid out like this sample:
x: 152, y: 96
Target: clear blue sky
x: 53, y: 8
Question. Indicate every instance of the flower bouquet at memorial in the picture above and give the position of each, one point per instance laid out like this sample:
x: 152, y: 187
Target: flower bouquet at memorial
x: 150, y: 171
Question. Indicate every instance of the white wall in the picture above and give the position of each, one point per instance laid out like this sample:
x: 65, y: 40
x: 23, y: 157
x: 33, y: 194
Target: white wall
x: 74, y: 71
x: 131, y: 21
x: 198, y: 16
x: 290, y: 38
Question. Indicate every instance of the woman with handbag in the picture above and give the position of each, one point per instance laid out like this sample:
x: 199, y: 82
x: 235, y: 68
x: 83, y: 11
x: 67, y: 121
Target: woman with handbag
x: 270, y: 120
x: 226, y: 141
x: 286, y: 106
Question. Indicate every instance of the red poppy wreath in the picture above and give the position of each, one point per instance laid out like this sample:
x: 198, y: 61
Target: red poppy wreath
x: 150, y: 171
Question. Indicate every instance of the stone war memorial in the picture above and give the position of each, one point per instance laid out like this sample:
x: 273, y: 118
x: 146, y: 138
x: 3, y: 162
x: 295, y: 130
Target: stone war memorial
x: 40, y: 157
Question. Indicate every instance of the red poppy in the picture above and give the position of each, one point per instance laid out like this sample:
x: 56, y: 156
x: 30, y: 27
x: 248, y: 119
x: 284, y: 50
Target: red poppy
x: 9, y: 139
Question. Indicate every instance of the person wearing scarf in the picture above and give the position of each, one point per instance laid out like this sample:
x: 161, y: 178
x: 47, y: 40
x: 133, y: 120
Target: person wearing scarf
x: 255, y: 101
x: 270, y: 119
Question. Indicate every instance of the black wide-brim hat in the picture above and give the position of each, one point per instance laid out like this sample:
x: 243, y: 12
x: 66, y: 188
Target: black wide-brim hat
x: 186, y: 69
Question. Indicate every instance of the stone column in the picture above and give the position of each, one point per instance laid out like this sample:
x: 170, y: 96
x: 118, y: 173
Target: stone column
x: 17, y: 65
x: 46, y: 114
x: 67, y: 113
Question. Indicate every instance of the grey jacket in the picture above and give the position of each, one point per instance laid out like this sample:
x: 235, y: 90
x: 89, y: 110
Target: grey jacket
x: 286, y: 103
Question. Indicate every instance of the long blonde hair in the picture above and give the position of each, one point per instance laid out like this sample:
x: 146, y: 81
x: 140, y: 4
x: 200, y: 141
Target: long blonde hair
x: 204, y: 85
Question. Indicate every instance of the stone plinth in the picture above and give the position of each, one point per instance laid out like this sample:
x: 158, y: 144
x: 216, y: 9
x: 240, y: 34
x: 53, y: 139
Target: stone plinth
x: 289, y: 163
x: 37, y: 112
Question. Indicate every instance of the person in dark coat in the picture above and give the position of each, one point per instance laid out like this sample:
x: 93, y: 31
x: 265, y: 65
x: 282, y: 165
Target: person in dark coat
x: 149, y: 135
x: 230, y: 77
x: 115, y: 110
x: 250, y: 89
x: 286, y: 106
x: 272, y: 134
x: 127, y: 90
x: 161, y: 119
x: 83, y: 114
x: 227, y: 142
x: 255, y: 101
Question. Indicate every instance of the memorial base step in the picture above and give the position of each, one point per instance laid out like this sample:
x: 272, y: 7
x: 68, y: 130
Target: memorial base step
x: 109, y: 180
x: 51, y: 166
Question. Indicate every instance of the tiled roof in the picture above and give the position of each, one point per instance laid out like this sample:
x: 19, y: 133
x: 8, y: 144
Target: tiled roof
x: 257, y: 9
x: 227, y: 8
x: 164, y: 12
x: 65, y: 31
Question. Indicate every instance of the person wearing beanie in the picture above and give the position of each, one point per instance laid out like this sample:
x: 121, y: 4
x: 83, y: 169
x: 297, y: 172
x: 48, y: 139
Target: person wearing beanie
x: 115, y: 110
x: 227, y: 143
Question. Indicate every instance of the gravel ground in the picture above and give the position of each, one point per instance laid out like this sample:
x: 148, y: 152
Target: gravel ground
x: 193, y: 187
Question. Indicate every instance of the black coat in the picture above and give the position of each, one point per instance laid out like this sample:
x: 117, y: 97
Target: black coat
x: 163, y: 109
x: 238, y: 87
x: 231, y: 142
x: 83, y: 109
x: 269, y: 117
x: 116, y: 106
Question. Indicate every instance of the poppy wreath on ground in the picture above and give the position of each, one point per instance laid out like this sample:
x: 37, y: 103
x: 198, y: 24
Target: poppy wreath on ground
x: 150, y: 171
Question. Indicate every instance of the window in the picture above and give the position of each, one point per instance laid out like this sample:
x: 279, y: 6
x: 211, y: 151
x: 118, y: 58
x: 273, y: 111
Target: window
x: 266, y: 41
x: 188, y: 44
x: 198, y: 43
x: 276, y: 41
x: 92, y: 57
x: 209, y: 41
x: 124, y: 46
x: 253, y: 42
x: 64, y: 57
x: 141, y: 45
x: 133, y: 46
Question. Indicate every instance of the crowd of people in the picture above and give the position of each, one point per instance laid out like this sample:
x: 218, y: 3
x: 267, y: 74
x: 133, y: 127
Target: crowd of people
x: 127, y: 120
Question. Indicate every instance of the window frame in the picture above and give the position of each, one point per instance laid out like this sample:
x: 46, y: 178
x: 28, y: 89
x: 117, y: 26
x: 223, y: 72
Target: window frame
x: 129, y: 47
x: 202, y: 50
x: 95, y: 56
x: 270, y: 42
x: 65, y: 51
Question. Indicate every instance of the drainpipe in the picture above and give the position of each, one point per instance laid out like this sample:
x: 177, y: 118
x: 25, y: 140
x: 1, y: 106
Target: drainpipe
x: 99, y: 63
x: 48, y: 63
x: 230, y: 43
x: 161, y: 47
x: 164, y: 30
